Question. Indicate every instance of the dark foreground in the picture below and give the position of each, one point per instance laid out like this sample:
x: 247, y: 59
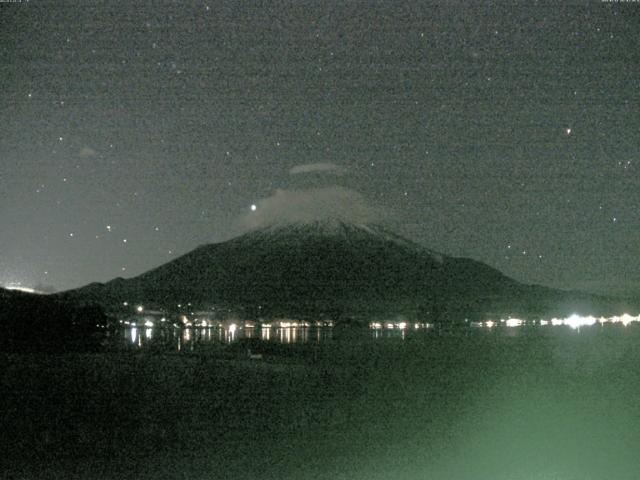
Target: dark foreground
x: 549, y: 403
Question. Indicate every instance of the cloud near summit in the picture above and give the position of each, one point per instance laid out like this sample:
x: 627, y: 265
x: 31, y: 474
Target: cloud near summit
x: 317, y: 168
x: 87, y: 152
x: 309, y: 205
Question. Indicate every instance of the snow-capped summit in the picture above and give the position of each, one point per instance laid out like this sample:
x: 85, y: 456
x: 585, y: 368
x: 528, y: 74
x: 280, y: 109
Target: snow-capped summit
x: 334, y: 228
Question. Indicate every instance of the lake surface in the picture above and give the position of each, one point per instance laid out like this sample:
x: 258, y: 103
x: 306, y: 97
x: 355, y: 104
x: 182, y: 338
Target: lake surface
x: 510, y: 401
x: 147, y: 333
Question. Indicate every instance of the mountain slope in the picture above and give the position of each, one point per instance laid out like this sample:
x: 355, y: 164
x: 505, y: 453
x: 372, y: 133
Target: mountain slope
x: 331, y: 268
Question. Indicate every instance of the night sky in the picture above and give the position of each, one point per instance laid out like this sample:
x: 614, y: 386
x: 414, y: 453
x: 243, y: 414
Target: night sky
x: 130, y: 134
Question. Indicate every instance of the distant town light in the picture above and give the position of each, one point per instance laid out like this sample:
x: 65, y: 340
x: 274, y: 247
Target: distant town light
x: 576, y: 321
x: 626, y: 319
x: 140, y: 308
x: 514, y: 322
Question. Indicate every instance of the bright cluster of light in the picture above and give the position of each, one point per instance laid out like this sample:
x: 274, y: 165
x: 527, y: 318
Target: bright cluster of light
x: 625, y: 319
x: 574, y: 321
x: 291, y: 324
x: 397, y: 325
x: 513, y: 322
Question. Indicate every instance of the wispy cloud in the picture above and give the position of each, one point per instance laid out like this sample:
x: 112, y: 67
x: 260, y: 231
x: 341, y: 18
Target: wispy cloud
x: 317, y: 168
x: 87, y: 152
x: 310, y: 205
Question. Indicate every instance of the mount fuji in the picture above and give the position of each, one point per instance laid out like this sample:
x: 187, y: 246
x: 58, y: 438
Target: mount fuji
x: 331, y: 268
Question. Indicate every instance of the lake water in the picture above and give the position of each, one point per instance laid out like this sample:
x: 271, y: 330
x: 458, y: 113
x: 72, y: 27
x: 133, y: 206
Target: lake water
x: 554, y: 399
x: 190, y: 338
x: 146, y: 333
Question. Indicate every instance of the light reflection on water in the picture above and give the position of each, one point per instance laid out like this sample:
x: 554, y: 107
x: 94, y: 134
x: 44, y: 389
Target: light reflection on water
x: 179, y: 338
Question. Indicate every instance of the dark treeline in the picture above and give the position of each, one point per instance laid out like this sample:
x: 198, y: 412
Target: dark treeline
x: 35, y: 323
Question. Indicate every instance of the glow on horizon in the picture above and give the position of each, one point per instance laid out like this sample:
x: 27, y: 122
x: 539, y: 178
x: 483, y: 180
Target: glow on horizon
x: 18, y: 287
